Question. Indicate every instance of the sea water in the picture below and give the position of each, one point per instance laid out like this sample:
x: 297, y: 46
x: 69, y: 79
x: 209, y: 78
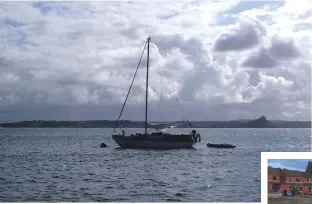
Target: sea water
x: 67, y: 164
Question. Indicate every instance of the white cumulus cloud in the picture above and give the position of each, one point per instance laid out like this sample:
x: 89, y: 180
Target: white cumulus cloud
x: 221, y: 59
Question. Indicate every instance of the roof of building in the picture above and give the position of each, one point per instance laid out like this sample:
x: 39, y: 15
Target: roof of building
x: 293, y: 173
x: 290, y: 173
x: 273, y: 171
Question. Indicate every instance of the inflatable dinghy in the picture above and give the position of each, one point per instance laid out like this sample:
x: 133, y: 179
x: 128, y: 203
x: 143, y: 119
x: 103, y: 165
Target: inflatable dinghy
x: 221, y: 145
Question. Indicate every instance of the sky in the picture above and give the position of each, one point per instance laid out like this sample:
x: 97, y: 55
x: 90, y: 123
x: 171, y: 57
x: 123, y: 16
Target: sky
x: 290, y: 164
x: 209, y: 60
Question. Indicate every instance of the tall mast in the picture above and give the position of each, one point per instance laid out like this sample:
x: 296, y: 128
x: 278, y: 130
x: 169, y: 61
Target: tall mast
x: 146, y: 99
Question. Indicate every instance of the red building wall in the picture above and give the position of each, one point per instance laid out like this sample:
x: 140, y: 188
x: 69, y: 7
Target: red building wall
x: 270, y: 177
x: 298, y: 184
x: 293, y: 179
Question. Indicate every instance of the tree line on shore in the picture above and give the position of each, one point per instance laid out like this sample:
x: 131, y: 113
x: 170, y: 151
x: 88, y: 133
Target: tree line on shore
x: 261, y: 122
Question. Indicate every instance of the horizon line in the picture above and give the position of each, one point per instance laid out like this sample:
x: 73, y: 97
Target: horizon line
x: 154, y: 120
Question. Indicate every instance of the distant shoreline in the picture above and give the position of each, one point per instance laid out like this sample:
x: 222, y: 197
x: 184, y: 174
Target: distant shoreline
x: 143, y: 127
x: 261, y: 122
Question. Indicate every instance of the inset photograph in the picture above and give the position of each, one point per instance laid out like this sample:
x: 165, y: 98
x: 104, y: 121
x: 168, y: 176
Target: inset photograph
x: 289, y: 181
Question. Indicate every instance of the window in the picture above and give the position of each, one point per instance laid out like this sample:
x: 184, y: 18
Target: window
x: 310, y: 188
x: 297, y: 179
x: 274, y: 178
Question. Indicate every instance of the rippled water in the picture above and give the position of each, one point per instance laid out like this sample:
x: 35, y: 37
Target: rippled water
x: 68, y: 165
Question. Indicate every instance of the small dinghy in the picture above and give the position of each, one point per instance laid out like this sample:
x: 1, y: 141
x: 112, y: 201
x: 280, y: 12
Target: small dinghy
x: 221, y: 145
x: 103, y: 145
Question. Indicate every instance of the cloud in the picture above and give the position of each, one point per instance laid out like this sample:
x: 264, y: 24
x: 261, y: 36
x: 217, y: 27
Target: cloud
x: 280, y: 49
x: 244, y: 35
x: 284, y: 48
x: 260, y: 59
x: 75, y: 60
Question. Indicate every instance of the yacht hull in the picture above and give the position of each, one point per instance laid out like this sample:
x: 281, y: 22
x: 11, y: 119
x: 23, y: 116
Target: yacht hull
x: 131, y: 143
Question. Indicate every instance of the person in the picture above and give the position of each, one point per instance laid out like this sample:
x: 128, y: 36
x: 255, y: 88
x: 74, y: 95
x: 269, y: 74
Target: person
x: 123, y: 132
x: 198, y: 137
x: 193, y: 135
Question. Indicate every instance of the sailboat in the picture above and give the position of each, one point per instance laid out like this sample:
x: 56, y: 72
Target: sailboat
x: 158, y: 139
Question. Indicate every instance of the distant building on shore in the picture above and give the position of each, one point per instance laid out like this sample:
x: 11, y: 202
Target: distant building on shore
x: 281, y: 179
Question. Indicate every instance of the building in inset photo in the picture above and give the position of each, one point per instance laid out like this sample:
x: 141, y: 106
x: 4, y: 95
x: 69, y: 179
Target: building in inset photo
x: 289, y: 179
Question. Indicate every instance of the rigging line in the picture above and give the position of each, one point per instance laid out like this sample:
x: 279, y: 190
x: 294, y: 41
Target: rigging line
x: 130, y: 88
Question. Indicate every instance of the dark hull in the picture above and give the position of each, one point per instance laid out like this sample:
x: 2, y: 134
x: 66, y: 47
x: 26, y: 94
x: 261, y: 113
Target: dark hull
x: 226, y: 146
x: 154, y: 143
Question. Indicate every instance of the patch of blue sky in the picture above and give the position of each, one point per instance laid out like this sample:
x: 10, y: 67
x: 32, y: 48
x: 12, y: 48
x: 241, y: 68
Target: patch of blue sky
x: 302, y: 26
x: 192, y: 3
x: 226, y: 19
x: 47, y: 7
x: 11, y: 22
x: 63, y: 9
x: 248, y: 5
x: 16, y: 38
x: 230, y: 16
x: 12, y: 34
x: 291, y: 164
